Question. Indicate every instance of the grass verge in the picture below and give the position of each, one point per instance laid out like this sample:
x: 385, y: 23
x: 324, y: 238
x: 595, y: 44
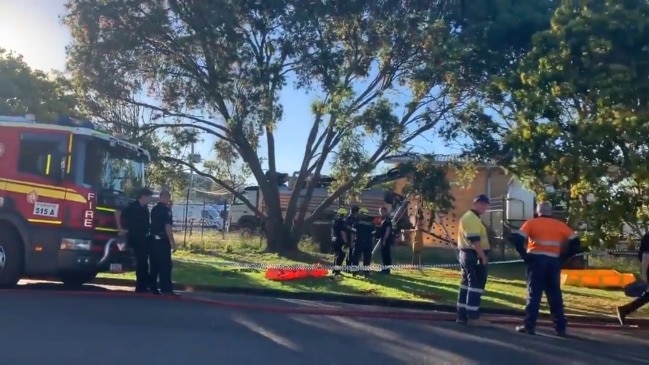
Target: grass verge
x: 200, y: 263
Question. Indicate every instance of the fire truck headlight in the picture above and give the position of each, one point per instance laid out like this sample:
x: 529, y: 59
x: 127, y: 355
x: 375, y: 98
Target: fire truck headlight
x: 75, y: 244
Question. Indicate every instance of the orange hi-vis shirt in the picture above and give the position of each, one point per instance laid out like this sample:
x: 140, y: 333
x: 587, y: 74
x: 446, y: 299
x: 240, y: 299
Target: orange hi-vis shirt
x: 546, y: 235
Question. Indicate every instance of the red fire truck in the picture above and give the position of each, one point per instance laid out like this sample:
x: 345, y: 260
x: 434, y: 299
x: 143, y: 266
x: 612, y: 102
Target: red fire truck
x: 60, y: 185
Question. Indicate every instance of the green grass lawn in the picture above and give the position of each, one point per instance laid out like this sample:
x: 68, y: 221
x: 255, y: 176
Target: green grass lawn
x: 198, y: 264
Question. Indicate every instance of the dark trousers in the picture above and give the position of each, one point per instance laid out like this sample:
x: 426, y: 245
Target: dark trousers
x: 161, y: 266
x: 362, y: 253
x: 386, y: 256
x: 142, y: 253
x: 636, y: 304
x: 472, y: 285
x: 339, y: 255
x: 544, y: 275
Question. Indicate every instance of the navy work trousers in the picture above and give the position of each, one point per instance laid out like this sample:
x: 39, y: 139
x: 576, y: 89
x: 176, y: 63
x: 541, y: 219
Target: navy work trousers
x: 544, y: 275
x: 339, y: 254
x: 386, y: 257
x: 362, y: 253
x: 142, y: 251
x: 472, y: 285
x: 161, y: 266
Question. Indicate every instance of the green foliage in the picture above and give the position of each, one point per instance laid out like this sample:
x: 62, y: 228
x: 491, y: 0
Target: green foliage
x: 227, y: 166
x: 24, y: 90
x: 574, y: 114
x: 427, y: 179
x: 218, y: 68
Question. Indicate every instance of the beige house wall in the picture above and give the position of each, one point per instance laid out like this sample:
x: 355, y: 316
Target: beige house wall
x: 491, y: 181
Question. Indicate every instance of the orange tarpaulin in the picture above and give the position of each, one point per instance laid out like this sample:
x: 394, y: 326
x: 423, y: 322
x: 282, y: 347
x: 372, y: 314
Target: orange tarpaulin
x: 294, y: 274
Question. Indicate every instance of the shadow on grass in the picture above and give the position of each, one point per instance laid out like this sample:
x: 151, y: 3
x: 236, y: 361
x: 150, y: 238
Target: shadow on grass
x: 325, y: 285
x: 204, y: 274
x: 441, y: 292
x: 304, y: 257
x: 436, y: 292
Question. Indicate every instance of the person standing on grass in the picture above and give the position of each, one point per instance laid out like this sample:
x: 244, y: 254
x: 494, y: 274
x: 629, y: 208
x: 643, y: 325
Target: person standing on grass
x: 473, y: 255
x: 362, y: 252
x: 133, y: 222
x: 643, y: 254
x: 350, y: 224
x: 339, y: 239
x: 162, y: 246
x: 545, y: 236
x: 385, y: 235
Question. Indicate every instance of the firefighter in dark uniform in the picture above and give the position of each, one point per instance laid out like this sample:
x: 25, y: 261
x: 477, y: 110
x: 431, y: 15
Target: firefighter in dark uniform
x: 162, y: 245
x: 364, y: 227
x: 385, y: 237
x: 340, y: 239
x: 350, y: 223
x: 133, y: 222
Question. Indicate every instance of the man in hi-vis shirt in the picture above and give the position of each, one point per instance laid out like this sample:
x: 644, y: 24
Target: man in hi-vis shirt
x: 549, y: 242
x: 473, y: 245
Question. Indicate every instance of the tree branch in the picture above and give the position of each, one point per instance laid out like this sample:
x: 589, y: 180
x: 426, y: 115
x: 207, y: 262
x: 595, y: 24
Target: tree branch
x: 304, y: 171
x: 155, y: 126
x: 166, y: 112
x: 219, y: 182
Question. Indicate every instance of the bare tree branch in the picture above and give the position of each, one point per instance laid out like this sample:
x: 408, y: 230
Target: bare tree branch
x: 221, y: 183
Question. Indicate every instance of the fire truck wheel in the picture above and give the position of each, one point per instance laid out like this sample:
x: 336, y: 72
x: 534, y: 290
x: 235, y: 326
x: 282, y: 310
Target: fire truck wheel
x: 76, y: 279
x: 11, y: 256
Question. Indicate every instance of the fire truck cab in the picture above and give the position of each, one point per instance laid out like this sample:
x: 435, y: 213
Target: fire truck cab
x: 60, y: 185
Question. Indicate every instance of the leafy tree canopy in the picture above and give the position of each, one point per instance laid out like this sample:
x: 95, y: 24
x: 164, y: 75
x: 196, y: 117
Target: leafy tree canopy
x: 385, y: 71
x: 574, y: 114
x: 24, y: 90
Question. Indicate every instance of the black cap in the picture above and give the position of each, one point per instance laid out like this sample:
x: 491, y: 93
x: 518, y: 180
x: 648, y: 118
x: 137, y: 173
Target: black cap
x: 481, y: 199
x: 355, y: 209
x: 144, y: 192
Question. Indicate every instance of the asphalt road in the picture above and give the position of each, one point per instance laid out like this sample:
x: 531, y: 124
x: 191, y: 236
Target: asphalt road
x: 41, y: 326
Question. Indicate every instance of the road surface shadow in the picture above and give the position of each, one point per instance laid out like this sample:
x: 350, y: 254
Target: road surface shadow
x: 114, y: 330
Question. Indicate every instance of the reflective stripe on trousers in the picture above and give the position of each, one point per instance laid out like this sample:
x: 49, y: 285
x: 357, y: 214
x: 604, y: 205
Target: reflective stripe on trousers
x: 472, y: 284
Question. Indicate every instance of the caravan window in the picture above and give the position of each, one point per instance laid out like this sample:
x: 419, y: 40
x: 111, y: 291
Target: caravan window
x: 238, y: 201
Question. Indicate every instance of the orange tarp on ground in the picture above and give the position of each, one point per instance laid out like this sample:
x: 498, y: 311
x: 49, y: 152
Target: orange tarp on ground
x: 599, y: 278
x: 294, y: 274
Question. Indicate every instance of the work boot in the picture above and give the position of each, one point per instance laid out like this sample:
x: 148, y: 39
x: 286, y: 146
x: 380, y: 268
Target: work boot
x: 561, y: 333
x: 624, y: 310
x: 523, y: 329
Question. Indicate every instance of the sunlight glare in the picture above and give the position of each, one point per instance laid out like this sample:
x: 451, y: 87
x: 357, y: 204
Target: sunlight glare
x: 32, y: 28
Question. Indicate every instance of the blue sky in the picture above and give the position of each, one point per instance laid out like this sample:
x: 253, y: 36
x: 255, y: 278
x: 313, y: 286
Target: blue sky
x: 32, y: 28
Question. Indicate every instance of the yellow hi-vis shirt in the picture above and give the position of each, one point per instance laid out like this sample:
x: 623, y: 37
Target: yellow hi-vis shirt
x: 471, y: 228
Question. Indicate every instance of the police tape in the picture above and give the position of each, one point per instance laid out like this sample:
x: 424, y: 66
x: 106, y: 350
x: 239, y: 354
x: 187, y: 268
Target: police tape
x: 347, y: 268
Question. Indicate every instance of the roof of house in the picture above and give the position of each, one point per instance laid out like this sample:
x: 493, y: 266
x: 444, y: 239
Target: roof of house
x: 437, y: 158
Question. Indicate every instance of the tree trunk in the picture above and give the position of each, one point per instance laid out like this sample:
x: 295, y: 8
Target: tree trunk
x: 279, y: 239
